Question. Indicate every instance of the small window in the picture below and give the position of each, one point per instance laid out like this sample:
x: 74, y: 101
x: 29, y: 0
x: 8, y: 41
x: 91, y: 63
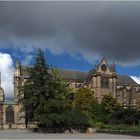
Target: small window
x: 104, y: 82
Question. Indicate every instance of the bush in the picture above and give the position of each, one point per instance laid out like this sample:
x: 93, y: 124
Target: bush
x: 127, y: 116
x: 98, y: 114
x: 101, y: 125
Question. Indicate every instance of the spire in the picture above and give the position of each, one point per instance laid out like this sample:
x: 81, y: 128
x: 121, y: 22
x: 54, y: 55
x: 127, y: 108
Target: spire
x: 104, y: 58
x: 113, y: 67
x: 17, y: 64
x: 18, y: 68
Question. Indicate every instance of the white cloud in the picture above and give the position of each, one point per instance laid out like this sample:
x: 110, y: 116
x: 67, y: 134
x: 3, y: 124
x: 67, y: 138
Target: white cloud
x: 7, y: 69
x: 27, y: 60
x: 136, y: 79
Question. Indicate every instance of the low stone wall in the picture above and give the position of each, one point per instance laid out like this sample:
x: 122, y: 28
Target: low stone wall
x: 14, y: 126
x: 17, y: 126
x: 123, y: 132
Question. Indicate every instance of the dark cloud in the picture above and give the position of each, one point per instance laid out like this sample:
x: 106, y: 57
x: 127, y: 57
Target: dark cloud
x: 89, y: 28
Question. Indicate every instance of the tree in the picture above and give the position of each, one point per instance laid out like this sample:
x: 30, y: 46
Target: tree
x: 35, y: 86
x: 45, y: 95
x: 51, y: 112
x: 127, y: 116
x: 83, y: 99
x: 109, y: 104
x: 76, y: 118
x: 97, y: 111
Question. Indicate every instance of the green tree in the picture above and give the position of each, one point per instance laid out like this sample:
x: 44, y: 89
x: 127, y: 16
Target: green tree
x: 35, y: 87
x: 127, y: 116
x: 51, y: 113
x: 109, y: 104
x: 76, y: 118
x: 97, y: 111
x: 45, y: 95
x: 83, y: 99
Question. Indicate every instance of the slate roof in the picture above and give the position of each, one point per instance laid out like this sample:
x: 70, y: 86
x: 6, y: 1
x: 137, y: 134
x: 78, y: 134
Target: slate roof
x: 92, y: 71
x: 72, y: 74
x: 65, y: 74
x: 78, y: 75
x: 126, y: 79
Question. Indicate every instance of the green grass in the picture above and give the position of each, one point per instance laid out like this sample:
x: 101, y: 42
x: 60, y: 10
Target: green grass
x: 125, y: 127
x: 100, y: 125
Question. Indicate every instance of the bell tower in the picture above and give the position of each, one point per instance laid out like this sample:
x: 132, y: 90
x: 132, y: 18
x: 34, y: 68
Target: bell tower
x: 17, y: 79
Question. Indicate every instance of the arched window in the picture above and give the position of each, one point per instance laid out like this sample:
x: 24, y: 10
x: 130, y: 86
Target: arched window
x: 9, y: 114
x: 104, y: 82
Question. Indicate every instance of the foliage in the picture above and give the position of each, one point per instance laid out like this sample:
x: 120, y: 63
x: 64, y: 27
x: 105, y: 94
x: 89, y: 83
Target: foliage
x: 35, y: 86
x: 127, y: 116
x: 83, y: 99
x: 49, y: 102
x: 76, y: 118
x: 109, y: 104
x: 55, y: 105
x: 97, y: 111
x: 101, y: 125
x: 45, y: 95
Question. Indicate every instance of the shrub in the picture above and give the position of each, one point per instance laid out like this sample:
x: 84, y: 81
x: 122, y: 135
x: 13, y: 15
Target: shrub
x: 127, y: 116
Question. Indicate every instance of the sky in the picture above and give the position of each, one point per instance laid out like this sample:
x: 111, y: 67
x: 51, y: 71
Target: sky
x: 73, y: 35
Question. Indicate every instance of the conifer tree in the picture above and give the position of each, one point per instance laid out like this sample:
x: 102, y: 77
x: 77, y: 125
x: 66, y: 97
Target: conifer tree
x: 35, y: 86
x: 45, y: 95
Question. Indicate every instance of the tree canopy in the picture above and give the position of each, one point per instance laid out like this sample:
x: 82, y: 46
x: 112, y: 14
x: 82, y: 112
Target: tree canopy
x: 83, y: 99
x: 45, y: 101
x: 109, y: 104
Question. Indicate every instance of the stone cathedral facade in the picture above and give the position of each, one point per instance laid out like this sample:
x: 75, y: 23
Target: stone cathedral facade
x: 102, y: 79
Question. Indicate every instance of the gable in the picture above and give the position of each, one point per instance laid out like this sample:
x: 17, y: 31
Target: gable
x: 103, y: 67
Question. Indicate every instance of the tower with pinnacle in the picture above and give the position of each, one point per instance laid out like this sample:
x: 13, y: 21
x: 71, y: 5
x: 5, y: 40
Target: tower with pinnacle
x: 17, y: 79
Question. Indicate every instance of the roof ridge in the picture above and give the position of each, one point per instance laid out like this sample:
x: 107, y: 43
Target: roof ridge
x: 61, y: 68
x: 71, y: 69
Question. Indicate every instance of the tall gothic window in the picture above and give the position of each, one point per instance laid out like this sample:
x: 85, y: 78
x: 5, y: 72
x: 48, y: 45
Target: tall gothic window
x: 104, y: 82
x: 9, y: 114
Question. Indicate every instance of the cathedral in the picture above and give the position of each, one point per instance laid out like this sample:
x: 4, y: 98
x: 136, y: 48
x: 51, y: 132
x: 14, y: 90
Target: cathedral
x: 102, y: 79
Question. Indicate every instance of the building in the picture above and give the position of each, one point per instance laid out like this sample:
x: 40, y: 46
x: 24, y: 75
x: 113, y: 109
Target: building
x: 102, y: 79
